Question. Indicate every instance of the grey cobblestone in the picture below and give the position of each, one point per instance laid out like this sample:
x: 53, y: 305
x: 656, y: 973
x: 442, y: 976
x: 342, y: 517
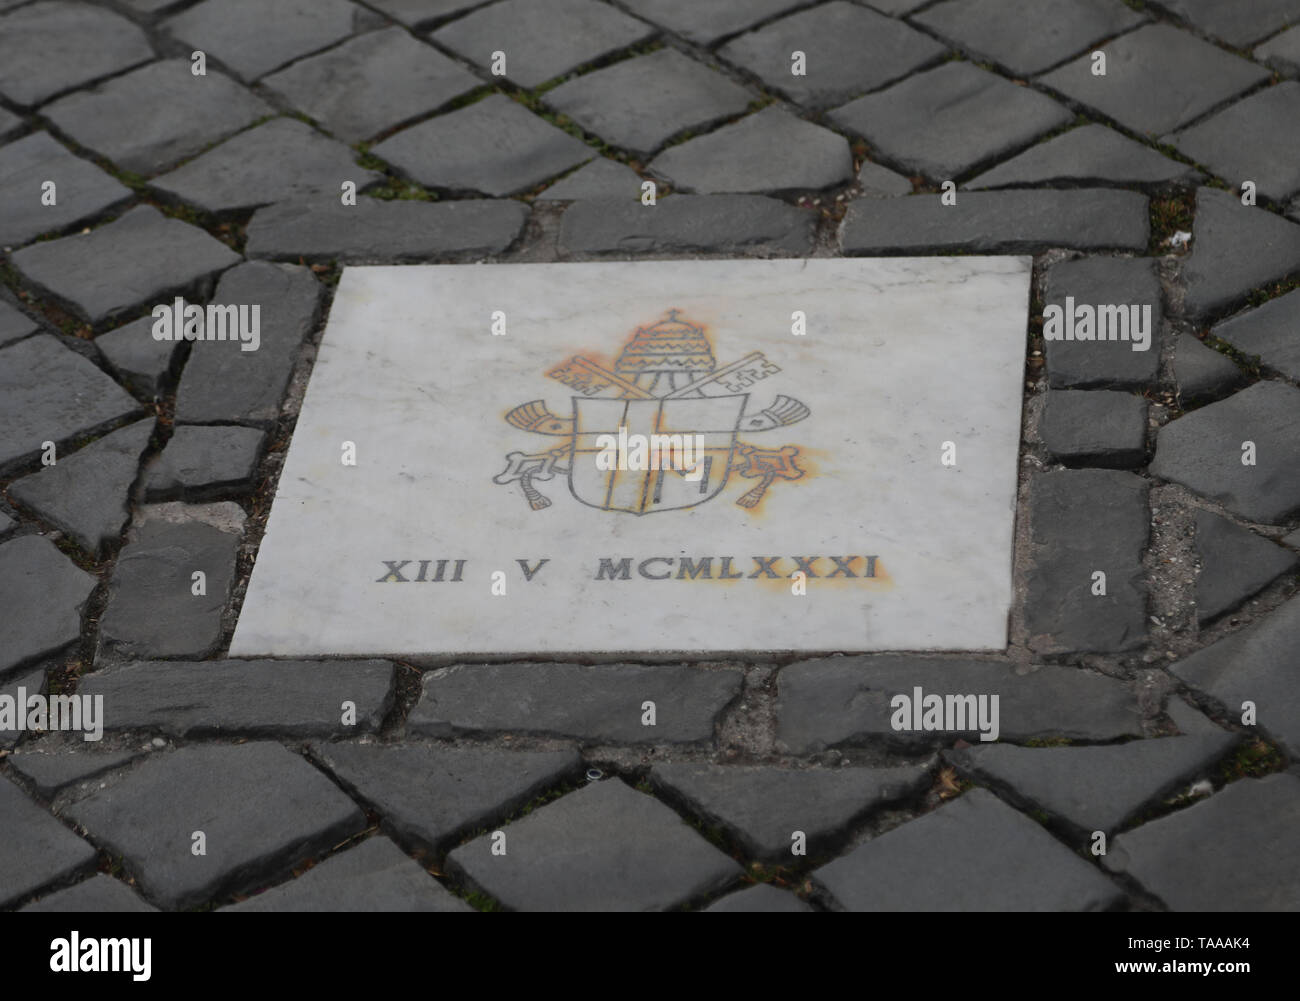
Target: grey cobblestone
x: 1090, y: 154
x: 14, y: 324
x: 82, y: 190
x: 1200, y: 371
x: 602, y: 178
x: 201, y: 462
x: 1098, y: 428
x: 98, y: 895
x: 762, y: 898
x: 140, y: 362
x: 1235, y: 565
x: 1267, y: 332
x: 1282, y: 52
x: 49, y: 772
x: 36, y: 849
x: 1236, y: 27
x: 29, y: 682
x: 707, y: 23
x: 43, y: 595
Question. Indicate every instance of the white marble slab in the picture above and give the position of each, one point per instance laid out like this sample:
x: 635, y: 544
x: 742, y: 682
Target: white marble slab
x: 900, y: 356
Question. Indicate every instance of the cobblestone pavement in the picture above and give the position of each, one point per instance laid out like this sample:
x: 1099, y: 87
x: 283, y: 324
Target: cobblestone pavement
x: 1172, y: 180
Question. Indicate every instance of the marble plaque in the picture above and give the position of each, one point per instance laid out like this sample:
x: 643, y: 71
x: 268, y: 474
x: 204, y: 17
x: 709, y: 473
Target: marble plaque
x: 644, y: 457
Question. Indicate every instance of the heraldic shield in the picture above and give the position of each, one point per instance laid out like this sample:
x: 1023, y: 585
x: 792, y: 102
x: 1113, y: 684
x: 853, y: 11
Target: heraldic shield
x: 696, y: 433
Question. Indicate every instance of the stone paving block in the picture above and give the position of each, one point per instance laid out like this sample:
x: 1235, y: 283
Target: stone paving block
x: 426, y: 795
x: 1256, y: 139
x: 43, y: 594
x: 14, y: 324
x: 640, y: 103
x: 1272, y: 332
x: 846, y: 700
x: 50, y: 47
x: 223, y: 382
x: 1097, y: 428
x: 280, y: 159
x: 49, y: 393
x: 1236, y: 564
x: 372, y: 876
x: 204, y: 461
x: 372, y: 83
x: 152, y: 611
x: 762, y: 898
x: 949, y: 120
x: 51, y: 771
x: 1282, y: 52
x: 142, y: 363
x: 6, y: 524
x: 995, y: 29
x: 10, y: 124
x: 881, y: 182
x: 86, y: 494
x: 541, y: 39
x: 1256, y: 664
x: 897, y: 7
x: 602, y: 178
x: 605, y: 847
x: 1084, y: 521
x: 849, y: 50
x: 998, y: 222
x: 82, y: 191
x: 157, y: 115
x: 972, y: 854
x: 1203, y: 451
x: 281, y: 698
x: 596, y: 703
x: 687, y: 223
x: 763, y: 806
x: 1114, y: 361
x: 1090, y: 154
x: 98, y: 895
x: 767, y: 152
x: 18, y: 687
x: 417, y: 13
x: 1240, y: 843
x: 254, y: 37
x: 1157, y: 79
x: 1235, y: 248
x: 36, y: 848
x: 384, y: 232
x: 1200, y: 371
x: 1094, y: 788
x: 1292, y: 540
x: 494, y: 146
x: 1237, y: 24
x: 706, y: 23
x: 142, y: 257
x: 262, y: 809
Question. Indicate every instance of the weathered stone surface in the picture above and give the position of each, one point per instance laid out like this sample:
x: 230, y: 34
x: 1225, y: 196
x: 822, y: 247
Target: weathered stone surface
x: 30, y: 683
x: 142, y: 257
x: 47, y: 48
x: 1235, y: 248
x: 845, y: 700
x: 687, y: 223
x: 1200, y: 371
x: 372, y: 83
x: 972, y: 854
x: 42, y: 593
x: 49, y: 393
x: 1097, y: 428
x: 1094, y: 788
x: 157, y: 115
x: 280, y: 159
x: 494, y: 147
x: 372, y: 876
x: 86, y: 494
x: 849, y: 50
x: 605, y: 847
x: 152, y: 611
x: 141, y: 362
x: 1282, y: 52
x: 763, y: 898
x: 542, y: 39
x: 51, y: 771
x: 763, y: 806
x: 1087, y: 521
x: 282, y: 698
x: 1236, y: 564
x: 253, y: 37
x: 36, y: 849
x: 1090, y: 154
x: 1105, y: 281
x: 1240, y: 843
x: 82, y: 190
x: 221, y: 381
x: 881, y: 182
x: 205, y: 461
x: 602, y: 178
x: 417, y: 13
x: 592, y: 703
x: 641, y: 103
x: 1002, y: 222
x: 1256, y: 664
x: 7, y: 523
x: 429, y: 795
x: 262, y: 809
x: 1292, y: 540
x: 947, y: 121
x: 14, y: 324
x: 1237, y: 25
x: 1203, y: 450
x: 1157, y: 79
x: 98, y: 895
x: 706, y: 23
x: 1271, y: 332
x: 10, y: 124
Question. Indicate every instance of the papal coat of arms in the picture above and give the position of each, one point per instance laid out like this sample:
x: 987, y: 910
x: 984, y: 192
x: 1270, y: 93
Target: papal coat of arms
x: 666, y: 388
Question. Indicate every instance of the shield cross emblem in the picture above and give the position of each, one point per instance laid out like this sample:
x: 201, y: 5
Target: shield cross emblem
x: 701, y: 429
